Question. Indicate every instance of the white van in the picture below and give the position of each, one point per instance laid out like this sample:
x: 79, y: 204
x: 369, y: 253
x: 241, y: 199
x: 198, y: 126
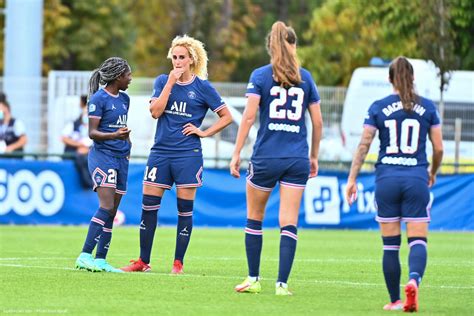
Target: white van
x: 371, y: 83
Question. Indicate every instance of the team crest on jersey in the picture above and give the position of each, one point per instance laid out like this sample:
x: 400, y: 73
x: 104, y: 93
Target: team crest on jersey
x: 113, y: 107
x: 192, y: 95
x: 92, y: 107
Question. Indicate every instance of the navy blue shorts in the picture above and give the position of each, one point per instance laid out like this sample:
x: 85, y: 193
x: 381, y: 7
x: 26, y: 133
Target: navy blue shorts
x: 108, y: 171
x: 405, y: 199
x: 264, y: 173
x: 163, y: 172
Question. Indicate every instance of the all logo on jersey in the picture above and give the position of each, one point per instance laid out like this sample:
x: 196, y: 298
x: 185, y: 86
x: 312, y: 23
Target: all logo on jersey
x: 178, y: 108
x: 192, y: 95
x: 122, y: 119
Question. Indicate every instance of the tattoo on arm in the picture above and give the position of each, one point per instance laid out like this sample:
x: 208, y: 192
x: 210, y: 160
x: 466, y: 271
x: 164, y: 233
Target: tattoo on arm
x: 362, y: 151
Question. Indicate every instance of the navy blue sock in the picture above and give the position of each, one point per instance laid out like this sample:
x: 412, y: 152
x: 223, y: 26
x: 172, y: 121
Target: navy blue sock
x: 288, y: 239
x: 150, y: 206
x: 391, y: 265
x: 104, y: 240
x: 185, y: 227
x: 417, y: 258
x: 253, y: 246
x: 95, y: 229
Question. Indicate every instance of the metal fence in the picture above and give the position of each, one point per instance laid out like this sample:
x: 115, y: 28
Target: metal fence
x: 59, y: 104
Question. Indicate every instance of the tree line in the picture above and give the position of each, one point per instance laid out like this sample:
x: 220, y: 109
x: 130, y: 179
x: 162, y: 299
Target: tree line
x: 335, y: 36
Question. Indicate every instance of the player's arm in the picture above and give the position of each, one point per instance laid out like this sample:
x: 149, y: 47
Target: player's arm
x: 436, y: 138
x: 317, y: 122
x: 94, y: 133
x: 18, y: 144
x: 158, y: 105
x: 248, y: 119
x: 19, y: 129
x: 359, y: 158
x: 225, y: 118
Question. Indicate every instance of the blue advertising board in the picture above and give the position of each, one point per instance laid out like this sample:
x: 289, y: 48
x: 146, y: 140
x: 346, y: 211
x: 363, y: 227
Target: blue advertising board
x: 43, y: 192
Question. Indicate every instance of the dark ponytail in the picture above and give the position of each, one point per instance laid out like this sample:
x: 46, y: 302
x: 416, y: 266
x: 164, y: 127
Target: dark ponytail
x: 401, y: 76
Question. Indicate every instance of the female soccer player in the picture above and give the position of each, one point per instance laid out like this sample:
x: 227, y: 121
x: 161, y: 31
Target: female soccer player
x: 283, y: 91
x: 402, y: 181
x: 180, y: 101
x: 108, y: 157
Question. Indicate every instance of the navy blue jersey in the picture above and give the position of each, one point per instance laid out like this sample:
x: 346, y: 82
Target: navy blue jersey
x: 187, y: 103
x: 282, y: 132
x: 402, y: 134
x: 112, y: 112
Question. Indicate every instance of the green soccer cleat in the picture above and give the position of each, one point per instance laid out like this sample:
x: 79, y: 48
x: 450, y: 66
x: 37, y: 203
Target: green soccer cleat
x: 86, y: 262
x: 249, y: 286
x: 281, y: 289
x: 103, y: 265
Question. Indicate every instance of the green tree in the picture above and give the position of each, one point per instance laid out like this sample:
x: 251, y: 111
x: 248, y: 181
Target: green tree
x: 81, y: 34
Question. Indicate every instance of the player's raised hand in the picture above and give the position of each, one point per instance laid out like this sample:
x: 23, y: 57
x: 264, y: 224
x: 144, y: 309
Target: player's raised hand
x: 351, y: 191
x: 234, y: 166
x: 122, y: 133
x: 175, y: 74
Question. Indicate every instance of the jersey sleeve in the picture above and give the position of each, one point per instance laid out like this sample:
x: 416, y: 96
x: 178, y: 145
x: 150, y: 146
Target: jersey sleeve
x: 435, y: 120
x: 369, y: 120
x: 19, y: 128
x: 254, y: 86
x: 158, y: 86
x: 68, y: 129
x: 313, y: 93
x: 213, y: 99
x: 96, y: 107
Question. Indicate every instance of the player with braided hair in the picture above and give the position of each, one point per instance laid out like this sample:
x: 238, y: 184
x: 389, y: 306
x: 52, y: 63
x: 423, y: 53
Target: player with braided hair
x: 108, y: 156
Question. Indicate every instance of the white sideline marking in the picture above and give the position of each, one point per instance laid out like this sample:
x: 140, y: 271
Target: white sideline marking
x: 345, y: 283
x: 267, y: 259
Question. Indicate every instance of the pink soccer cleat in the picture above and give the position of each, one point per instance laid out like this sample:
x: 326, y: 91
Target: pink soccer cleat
x: 395, y: 306
x: 177, y: 267
x: 411, y: 291
x: 137, y: 266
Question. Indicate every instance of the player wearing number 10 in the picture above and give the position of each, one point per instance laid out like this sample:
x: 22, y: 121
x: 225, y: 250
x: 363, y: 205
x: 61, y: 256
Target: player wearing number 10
x: 282, y: 91
x: 404, y: 120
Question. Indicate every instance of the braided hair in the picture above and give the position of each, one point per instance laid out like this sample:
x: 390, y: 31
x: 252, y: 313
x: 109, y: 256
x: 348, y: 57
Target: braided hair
x: 109, y: 70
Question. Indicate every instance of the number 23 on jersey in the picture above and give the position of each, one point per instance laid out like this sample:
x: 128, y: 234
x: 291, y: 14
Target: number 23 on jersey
x: 277, y: 108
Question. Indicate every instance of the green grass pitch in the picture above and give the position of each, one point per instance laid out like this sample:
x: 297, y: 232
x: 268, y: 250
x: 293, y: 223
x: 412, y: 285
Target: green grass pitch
x: 336, y: 272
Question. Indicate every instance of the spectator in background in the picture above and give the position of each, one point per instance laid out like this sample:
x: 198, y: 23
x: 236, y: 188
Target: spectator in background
x: 76, y: 138
x: 12, y: 131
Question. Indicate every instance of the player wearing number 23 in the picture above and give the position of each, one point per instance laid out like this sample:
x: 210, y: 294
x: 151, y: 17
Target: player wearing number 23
x: 282, y: 91
x: 403, y: 120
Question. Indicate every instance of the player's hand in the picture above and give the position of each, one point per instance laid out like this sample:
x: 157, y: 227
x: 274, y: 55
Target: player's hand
x: 234, y: 166
x: 175, y: 74
x: 431, y: 180
x: 351, y: 191
x: 190, y: 129
x: 122, y: 133
x: 313, y: 167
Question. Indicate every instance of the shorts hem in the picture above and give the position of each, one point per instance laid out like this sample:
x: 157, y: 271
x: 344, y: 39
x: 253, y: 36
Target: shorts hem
x: 258, y: 187
x: 293, y: 185
x: 159, y: 185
